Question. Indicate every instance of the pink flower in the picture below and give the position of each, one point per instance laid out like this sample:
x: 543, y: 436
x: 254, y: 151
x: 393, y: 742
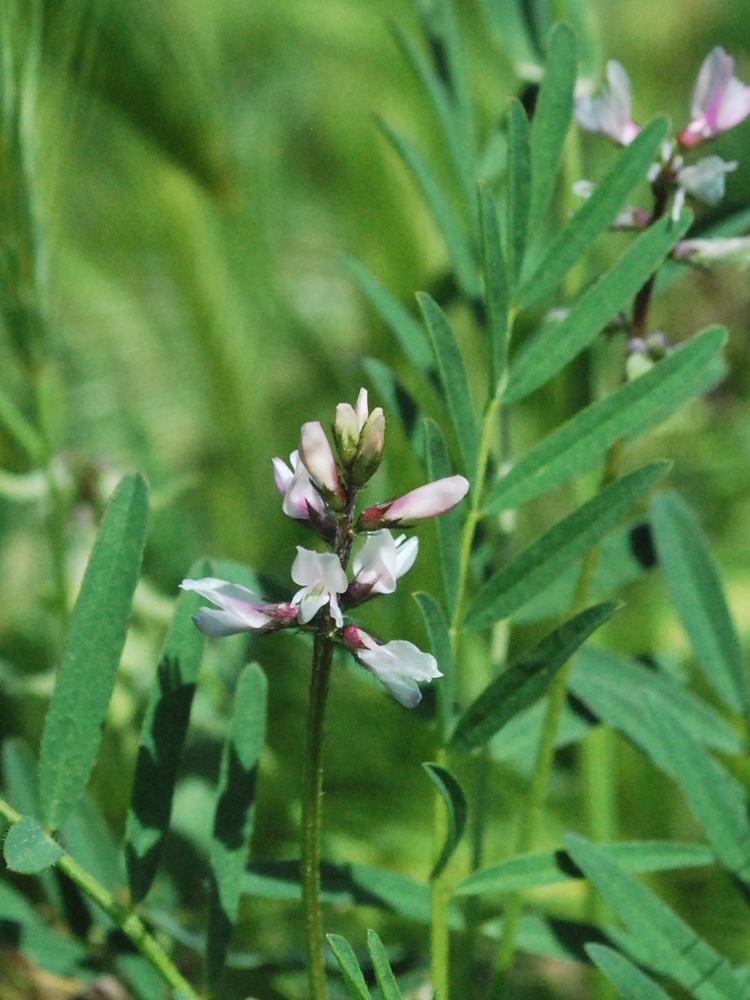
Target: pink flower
x: 297, y: 488
x: 241, y: 610
x: 426, y: 501
x: 315, y: 452
x: 720, y: 100
x: 397, y: 664
x: 322, y: 579
x: 609, y: 114
x: 380, y: 562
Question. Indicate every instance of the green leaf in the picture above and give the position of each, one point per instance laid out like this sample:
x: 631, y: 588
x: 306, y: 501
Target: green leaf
x: 596, y: 214
x: 544, y: 560
x: 162, y: 739
x: 530, y: 871
x: 349, y: 966
x: 398, y: 402
x: 235, y: 812
x: 549, y: 126
x: 454, y: 380
x: 405, y: 328
x: 448, y: 526
x: 28, y: 849
x: 399, y: 894
x: 22, y: 791
x: 613, y: 686
x: 86, y: 676
x: 578, y: 445
x: 509, y: 20
x: 383, y: 972
x: 455, y: 803
x: 87, y: 839
x: 440, y: 644
x: 521, y: 684
x: 519, y: 188
x: 663, y: 938
x: 716, y: 798
x: 627, y: 977
x: 685, y: 558
x: 496, y: 292
x: 558, y: 343
x: 459, y: 249
x: 518, y: 744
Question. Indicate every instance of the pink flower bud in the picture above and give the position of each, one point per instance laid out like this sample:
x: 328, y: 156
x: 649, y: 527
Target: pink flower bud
x: 426, y: 501
x: 317, y: 457
x: 346, y: 432
x: 720, y: 100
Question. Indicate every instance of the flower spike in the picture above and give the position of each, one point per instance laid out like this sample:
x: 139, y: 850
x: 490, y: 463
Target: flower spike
x: 720, y: 100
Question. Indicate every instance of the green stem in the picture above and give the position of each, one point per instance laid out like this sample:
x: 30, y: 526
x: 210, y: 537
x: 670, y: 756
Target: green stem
x: 311, y: 815
x: 440, y: 894
x: 124, y: 918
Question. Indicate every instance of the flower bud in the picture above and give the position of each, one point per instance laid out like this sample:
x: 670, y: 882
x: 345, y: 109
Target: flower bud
x: 317, y: 457
x: 346, y: 433
x: 369, y: 454
x: 426, y: 501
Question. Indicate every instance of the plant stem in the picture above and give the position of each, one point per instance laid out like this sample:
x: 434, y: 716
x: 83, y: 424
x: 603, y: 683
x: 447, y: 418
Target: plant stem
x: 439, y: 932
x: 311, y: 815
x: 124, y: 918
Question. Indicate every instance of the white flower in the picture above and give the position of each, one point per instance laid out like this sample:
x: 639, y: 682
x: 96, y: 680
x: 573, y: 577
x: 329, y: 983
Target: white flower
x: 297, y: 488
x: 609, y: 114
x: 381, y: 561
x: 322, y: 579
x: 242, y: 610
x: 426, y: 501
x: 724, y: 250
x: 720, y: 100
x: 397, y: 664
x: 703, y: 180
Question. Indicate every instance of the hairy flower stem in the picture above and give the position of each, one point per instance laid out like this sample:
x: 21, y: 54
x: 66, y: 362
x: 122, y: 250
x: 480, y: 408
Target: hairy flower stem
x: 123, y: 917
x: 311, y: 815
x: 312, y: 794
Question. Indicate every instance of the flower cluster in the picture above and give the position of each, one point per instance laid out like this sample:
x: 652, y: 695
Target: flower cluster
x: 320, y: 490
x: 720, y: 101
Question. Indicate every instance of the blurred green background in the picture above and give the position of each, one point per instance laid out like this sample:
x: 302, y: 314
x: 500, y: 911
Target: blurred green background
x: 201, y: 168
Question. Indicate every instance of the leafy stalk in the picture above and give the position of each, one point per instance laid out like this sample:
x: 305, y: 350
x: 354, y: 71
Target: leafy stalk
x: 124, y: 918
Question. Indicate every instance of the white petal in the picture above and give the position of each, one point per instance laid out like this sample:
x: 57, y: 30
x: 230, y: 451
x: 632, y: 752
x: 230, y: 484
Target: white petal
x: 715, y: 73
x: 310, y: 601
x: 301, y: 495
x: 336, y: 611
x: 282, y: 475
x: 220, y: 623
x: 406, y: 553
x: 362, y: 408
x: 398, y: 665
x: 315, y: 452
x: 735, y: 105
x: 221, y: 591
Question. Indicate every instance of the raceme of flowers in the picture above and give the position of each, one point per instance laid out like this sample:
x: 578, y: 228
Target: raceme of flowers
x: 320, y: 490
x: 720, y: 101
